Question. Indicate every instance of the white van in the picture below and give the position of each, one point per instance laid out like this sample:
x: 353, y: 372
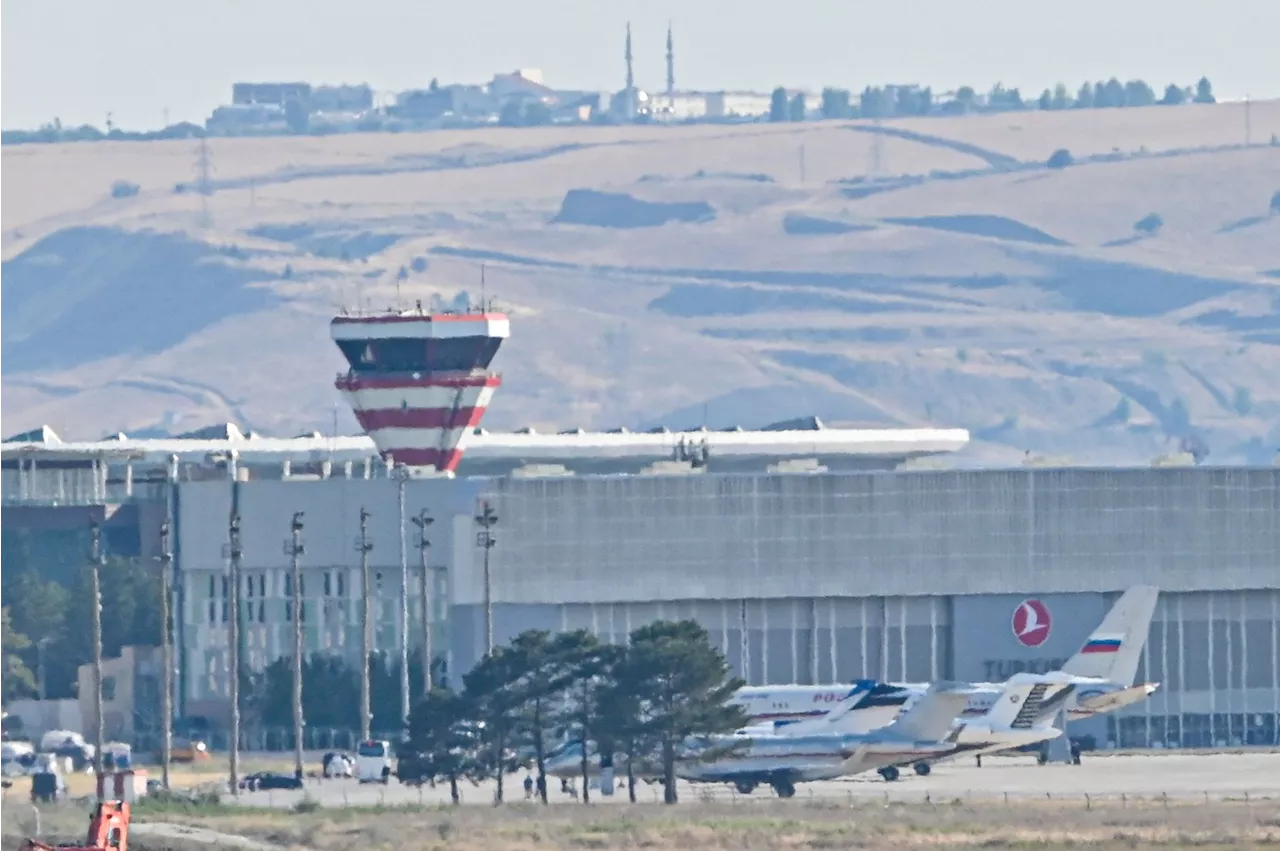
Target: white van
x: 373, y: 762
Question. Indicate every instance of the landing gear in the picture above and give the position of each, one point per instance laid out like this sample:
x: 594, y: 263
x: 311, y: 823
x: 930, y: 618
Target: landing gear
x: 745, y: 787
x: 784, y: 788
x: 889, y: 773
x: 923, y: 768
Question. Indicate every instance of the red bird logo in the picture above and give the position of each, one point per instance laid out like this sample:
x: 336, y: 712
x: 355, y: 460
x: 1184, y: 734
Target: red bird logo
x: 1031, y: 623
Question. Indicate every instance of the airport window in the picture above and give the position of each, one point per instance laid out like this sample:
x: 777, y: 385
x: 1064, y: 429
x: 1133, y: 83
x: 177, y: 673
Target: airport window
x: 224, y: 611
x: 328, y: 590
x: 108, y: 688
x: 213, y: 612
x: 248, y: 586
x: 342, y: 583
x: 288, y: 584
x: 224, y: 586
x: 262, y: 585
x: 213, y: 585
x: 262, y: 612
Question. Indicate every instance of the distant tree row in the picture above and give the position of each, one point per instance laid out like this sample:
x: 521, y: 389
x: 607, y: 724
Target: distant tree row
x: 913, y: 100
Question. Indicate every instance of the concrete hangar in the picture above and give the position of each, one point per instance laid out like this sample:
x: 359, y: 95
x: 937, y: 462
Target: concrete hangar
x: 810, y: 554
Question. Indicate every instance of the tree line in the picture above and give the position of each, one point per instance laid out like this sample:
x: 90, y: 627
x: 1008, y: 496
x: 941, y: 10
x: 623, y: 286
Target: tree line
x: 46, y: 599
x: 914, y: 100
x: 640, y: 701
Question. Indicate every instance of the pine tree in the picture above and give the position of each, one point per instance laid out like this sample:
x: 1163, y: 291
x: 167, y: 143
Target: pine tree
x: 442, y: 743
x: 547, y: 665
x: 681, y: 684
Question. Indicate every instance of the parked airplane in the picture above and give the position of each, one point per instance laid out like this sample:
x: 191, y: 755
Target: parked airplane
x: 927, y: 730
x: 566, y: 761
x: 1102, y: 673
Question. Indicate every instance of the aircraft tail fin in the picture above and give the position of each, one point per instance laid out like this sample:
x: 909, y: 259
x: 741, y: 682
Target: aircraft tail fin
x: 1113, y: 650
x: 934, y: 714
x: 1020, y: 705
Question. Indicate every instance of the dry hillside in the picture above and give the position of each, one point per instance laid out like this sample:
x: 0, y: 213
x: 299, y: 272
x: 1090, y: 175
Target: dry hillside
x: 923, y: 271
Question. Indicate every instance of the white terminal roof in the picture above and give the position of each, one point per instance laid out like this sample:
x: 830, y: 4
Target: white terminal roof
x: 801, y: 439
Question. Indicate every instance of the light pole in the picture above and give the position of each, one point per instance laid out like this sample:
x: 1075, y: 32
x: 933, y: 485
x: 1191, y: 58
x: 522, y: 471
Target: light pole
x: 294, y: 549
x: 423, y: 521
x: 95, y: 592
x: 486, y: 520
x: 233, y: 639
x: 401, y: 476
x: 363, y: 546
x: 166, y: 654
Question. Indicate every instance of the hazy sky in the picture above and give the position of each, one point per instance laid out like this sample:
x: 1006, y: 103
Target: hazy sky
x: 80, y: 59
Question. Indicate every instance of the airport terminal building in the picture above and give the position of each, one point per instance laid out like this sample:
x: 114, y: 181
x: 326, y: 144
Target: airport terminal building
x: 806, y: 564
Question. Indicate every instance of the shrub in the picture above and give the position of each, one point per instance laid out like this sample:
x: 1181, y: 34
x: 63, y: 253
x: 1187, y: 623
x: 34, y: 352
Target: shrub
x: 124, y: 189
x: 1060, y: 158
x: 1149, y: 223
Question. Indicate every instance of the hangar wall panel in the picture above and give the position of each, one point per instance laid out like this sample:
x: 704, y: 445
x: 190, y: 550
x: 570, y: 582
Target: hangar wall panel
x: 899, y: 534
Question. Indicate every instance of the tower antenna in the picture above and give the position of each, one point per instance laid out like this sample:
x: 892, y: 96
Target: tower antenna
x: 482, y: 295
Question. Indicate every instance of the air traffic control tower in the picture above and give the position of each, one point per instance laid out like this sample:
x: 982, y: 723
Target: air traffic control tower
x: 419, y: 382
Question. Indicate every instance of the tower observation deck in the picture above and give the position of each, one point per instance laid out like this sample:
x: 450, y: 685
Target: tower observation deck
x: 419, y: 382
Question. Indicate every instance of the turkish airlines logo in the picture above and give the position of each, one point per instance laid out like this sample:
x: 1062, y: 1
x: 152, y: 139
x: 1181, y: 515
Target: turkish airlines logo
x: 1031, y: 622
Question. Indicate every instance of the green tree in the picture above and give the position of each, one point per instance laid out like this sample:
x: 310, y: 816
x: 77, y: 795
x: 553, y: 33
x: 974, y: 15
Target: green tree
x: 875, y: 102
x: 796, y: 109
x: 1204, y: 91
x: 967, y: 98
x: 835, y: 103
x: 496, y: 704
x: 1061, y: 97
x: 681, y: 684
x: 441, y: 743
x: 1173, y: 95
x: 583, y: 715
x: 1149, y: 224
x: 1085, y: 97
x: 536, y: 114
x: 1046, y: 100
x: 779, y: 107
x: 546, y: 665
x: 1138, y: 93
x: 18, y: 680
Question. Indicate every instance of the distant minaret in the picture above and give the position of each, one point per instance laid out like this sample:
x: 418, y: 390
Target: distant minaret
x: 631, y: 80
x: 671, y: 70
x: 630, y: 91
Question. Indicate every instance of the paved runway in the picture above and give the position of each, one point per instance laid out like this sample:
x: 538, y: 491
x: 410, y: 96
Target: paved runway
x: 1177, y: 776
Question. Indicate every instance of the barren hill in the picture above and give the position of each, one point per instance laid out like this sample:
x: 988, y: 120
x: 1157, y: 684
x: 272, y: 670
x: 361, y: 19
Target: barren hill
x: 922, y: 271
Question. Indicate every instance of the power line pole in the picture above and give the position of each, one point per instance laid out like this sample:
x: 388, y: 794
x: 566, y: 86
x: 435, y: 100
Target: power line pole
x: 95, y: 565
x: 423, y: 521
x: 204, y: 185
x: 233, y: 639
x: 364, y: 546
x: 486, y: 520
x: 166, y: 653
x: 294, y: 549
x: 404, y: 609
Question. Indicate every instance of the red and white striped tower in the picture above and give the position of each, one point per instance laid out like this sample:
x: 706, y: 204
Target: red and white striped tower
x: 419, y: 382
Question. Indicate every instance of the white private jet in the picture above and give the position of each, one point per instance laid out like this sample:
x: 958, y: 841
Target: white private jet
x: 825, y: 748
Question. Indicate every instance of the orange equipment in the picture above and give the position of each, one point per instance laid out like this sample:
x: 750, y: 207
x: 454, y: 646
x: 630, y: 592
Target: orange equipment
x: 108, y: 829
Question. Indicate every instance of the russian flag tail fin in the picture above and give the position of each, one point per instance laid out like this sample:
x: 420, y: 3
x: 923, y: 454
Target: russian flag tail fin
x: 1115, y: 647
